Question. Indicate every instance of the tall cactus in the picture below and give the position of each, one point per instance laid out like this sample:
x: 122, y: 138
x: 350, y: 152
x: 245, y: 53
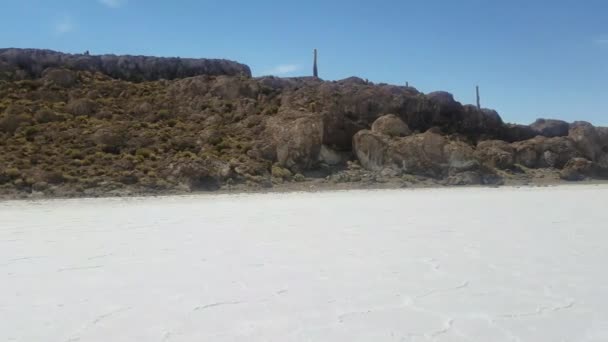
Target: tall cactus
x: 315, y: 70
x: 478, y: 103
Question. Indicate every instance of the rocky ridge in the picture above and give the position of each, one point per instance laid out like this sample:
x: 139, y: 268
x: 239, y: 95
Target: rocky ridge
x: 149, y: 125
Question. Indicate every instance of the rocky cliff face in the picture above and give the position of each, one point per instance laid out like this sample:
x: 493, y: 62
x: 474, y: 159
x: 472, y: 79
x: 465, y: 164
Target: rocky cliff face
x: 89, y: 129
x: 31, y: 63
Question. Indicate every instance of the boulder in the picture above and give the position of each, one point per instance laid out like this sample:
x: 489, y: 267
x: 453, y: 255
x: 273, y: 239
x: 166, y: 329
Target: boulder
x: 278, y: 172
x: 550, y: 128
x: 484, y: 122
x: 445, y: 111
x: 338, y: 130
x: 590, y: 140
x: 420, y: 154
x: 201, y: 175
x: 332, y: 157
x: 543, y: 152
x: 515, y: 132
x: 391, y: 125
x: 371, y: 149
x: 496, y: 154
x: 577, y: 169
x: 465, y: 178
x: 444, y: 100
x: 298, y: 142
x: 427, y: 154
x: 460, y: 157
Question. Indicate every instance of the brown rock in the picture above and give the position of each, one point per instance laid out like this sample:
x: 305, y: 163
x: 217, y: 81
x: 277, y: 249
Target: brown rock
x: 577, y: 169
x: 427, y: 154
x: 484, y: 122
x: 391, y: 125
x: 371, y: 149
x: 465, y: 178
x: 514, y: 133
x: 541, y: 152
x: 591, y: 141
x: 297, y: 142
x: 202, y: 175
x: 551, y: 128
x: 496, y: 153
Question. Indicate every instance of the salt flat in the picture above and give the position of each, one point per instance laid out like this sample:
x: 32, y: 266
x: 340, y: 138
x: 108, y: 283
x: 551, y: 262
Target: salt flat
x: 505, y: 264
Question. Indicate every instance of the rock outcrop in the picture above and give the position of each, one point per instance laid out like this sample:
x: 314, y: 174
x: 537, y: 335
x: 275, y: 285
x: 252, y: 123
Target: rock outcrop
x: 578, y: 169
x: 496, y: 154
x: 298, y: 142
x: 100, y: 124
x: 32, y: 63
x: 550, y: 128
x: 542, y: 152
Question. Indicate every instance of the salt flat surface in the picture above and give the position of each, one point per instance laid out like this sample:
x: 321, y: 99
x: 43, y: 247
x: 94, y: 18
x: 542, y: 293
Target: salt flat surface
x: 504, y: 264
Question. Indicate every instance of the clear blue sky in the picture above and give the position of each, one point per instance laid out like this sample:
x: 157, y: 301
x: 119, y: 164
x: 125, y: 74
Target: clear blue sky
x: 531, y: 58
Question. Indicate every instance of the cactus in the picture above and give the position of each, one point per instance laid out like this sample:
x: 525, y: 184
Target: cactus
x: 478, y: 103
x: 315, y: 70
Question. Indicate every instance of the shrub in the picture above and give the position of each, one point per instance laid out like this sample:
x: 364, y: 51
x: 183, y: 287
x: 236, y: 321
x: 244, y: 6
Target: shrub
x: 54, y: 177
x: 81, y: 107
x: 46, y: 115
x: 144, y: 152
x: 111, y: 139
x: 60, y: 77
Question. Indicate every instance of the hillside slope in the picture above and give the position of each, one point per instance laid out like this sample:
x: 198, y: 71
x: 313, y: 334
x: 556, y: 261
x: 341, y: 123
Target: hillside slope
x: 77, y: 131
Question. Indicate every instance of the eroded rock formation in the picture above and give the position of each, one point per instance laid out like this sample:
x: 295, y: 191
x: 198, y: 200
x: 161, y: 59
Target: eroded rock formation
x: 102, y: 124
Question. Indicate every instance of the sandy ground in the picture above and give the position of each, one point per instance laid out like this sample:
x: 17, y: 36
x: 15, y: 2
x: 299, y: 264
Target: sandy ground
x: 468, y: 264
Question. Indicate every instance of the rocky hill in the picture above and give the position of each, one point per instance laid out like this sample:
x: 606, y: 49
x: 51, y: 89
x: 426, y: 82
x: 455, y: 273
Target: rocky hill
x: 97, y: 125
x: 18, y: 64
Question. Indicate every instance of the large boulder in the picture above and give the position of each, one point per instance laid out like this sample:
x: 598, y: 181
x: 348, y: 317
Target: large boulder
x: 515, y: 132
x: 332, y: 157
x: 371, y: 149
x: 480, y: 123
x: 496, y: 153
x: 201, y: 175
x: 427, y: 154
x: 445, y: 111
x: 591, y: 141
x: 543, y: 152
x: 551, y: 128
x: 298, y: 140
x: 338, y: 130
x: 577, y: 169
x: 391, y: 125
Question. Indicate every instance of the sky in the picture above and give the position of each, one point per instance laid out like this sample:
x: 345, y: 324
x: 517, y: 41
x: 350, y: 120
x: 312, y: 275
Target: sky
x: 530, y: 58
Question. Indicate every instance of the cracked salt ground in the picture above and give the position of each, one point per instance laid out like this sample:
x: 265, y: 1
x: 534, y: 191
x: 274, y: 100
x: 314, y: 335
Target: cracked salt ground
x: 438, y: 265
